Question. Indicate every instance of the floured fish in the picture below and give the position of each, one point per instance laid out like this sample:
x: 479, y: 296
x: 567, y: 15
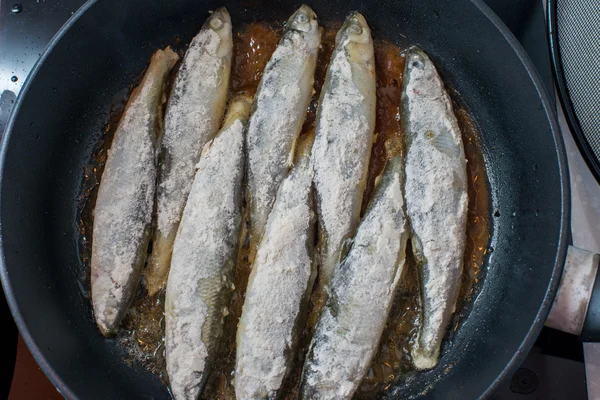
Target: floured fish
x: 362, y: 289
x: 204, y: 257
x: 278, y: 288
x: 123, y: 213
x: 280, y: 106
x: 193, y: 117
x: 344, y: 137
x: 436, y: 199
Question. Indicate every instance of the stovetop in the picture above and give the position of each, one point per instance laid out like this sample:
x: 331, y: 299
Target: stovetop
x: 554, y: 369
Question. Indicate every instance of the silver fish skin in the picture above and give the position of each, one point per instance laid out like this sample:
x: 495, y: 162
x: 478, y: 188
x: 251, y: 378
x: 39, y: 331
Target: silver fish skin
x: 280, y: 105
x: 344, y: 136
x: 123, y: 213
x: 278, y: 287
x: 193, y: 117
x: 362, y: 290
x: 436, y: 199
x: 204, y: 257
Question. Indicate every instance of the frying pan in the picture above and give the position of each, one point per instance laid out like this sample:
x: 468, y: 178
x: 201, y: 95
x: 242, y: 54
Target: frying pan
x: 65, y: 102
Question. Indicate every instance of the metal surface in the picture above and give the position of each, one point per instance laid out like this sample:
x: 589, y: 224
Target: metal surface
x: 526, y: 20
x: 60, y: 205
x: 575, y: 44
x: 24, y: 35
x: 25, y: 29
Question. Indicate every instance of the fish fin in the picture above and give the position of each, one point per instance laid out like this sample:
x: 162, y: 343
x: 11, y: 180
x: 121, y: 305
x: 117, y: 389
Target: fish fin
x: 290, y: 161
x: 458, y: 183
x: 345, y: 249
x: 377, y: 181
x: 459, y: 189
x: 210, y: 290
x: 401, y: 261
x: 417, y: 248
x: 444, y: 142
x: 205, y: 150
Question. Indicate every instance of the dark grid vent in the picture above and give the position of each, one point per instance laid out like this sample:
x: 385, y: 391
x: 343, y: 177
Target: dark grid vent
x: 577, y: 40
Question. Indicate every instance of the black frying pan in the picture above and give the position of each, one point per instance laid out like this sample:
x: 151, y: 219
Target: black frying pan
x: 101, y: 50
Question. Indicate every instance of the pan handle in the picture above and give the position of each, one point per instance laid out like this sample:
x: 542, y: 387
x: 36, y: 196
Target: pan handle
x: 591, y: 325
x: 576, y: 307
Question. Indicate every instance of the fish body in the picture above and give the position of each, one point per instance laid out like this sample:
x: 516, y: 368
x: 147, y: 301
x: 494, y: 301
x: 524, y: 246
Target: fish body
x: 278, y: 288
x: 436, y: 199
x: 123, y: 213
x: 344, y: 136
x: 362, y: 290
x: 204, y: 257
x: 193, y: 117
x: 279, y: 111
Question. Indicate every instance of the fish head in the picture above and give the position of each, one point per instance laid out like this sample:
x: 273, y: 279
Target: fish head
x: 304, y: 22
x: 220, y: 23
x: 355, y: 35
x: 418, y: 65
x: 219, y: 19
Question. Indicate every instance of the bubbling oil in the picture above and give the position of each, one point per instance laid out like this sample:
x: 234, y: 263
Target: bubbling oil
x: 142, y: 333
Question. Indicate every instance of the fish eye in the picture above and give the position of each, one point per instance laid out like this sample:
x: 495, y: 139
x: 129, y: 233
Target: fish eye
x: 417, y: 64
x: 302, y: 18
x: 216, y: 23
x: 355, y: 29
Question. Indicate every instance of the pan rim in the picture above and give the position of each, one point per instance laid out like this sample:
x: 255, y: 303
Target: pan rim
x: 544, y: 309
x: 563, y: 168
x: 11, y: 299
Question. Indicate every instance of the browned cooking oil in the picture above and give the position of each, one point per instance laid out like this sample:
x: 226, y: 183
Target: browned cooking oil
x: 252, y: 48
x: 389, y: 66
x: 142, y: 336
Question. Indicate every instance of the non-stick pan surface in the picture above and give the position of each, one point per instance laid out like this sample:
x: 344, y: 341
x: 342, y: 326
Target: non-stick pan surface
x: 104, y: 47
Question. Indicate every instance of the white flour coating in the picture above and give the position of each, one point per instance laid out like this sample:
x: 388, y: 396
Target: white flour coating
x: 344, y: 137
x: 362, y: 290
x: 436, y: 199
x: 280, y: 107
x: 277, y: 289
x: 202, y: 265
x: 125, y: 199
x: 193, y: 116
